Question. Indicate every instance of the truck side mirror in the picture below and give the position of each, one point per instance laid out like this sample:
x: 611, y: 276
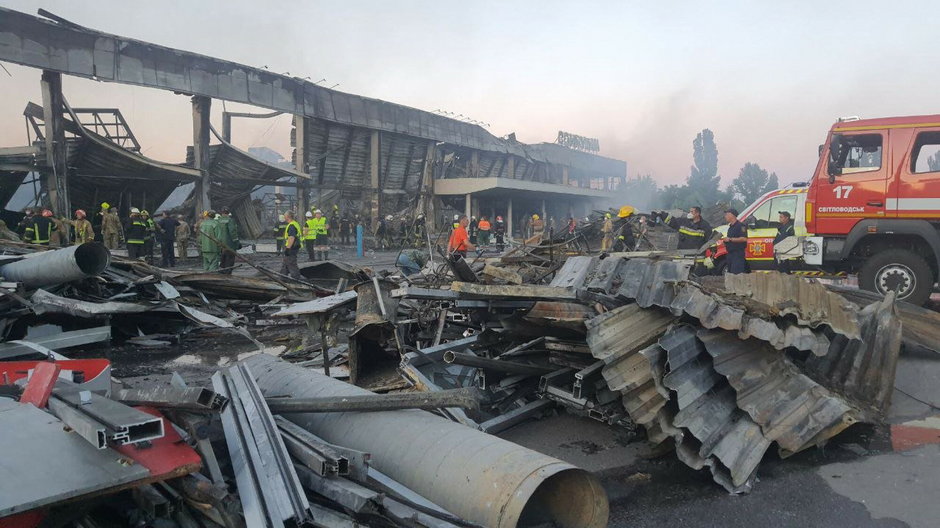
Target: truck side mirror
x: 833, y: 167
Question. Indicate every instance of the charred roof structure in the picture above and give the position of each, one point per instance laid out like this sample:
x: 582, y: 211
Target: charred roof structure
x: 381, y: 157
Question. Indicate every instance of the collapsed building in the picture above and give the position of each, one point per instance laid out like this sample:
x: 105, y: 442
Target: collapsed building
x: 369, y: 156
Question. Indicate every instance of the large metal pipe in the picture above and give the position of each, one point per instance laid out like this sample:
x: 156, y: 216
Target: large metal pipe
x: 48, y: 268
x: 476, y: 476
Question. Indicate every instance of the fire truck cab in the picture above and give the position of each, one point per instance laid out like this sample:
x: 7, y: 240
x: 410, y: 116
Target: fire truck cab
x: 871, y: 208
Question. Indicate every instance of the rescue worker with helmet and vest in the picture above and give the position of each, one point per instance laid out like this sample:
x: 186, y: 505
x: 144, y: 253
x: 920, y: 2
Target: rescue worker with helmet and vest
x: 82, y: 227
x: 136, y: 232
x: 624, y: 239
x: 322, y: 242
x: 209, y: 229
x: 111, y: 227
x: 309, y: 236
x: 694, y: 231
x: 735, y: 243
x: 292, y: 233
x: 784, y: 230
x: 538, y: 228
x: 151, y: 235
x: 499, y: 232
x: 40, y: 229
x: 607, y: 229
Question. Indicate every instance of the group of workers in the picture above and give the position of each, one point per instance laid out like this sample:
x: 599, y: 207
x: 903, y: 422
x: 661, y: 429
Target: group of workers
x: 218, y: 240
x: 313, y: 235
x: 480, y: 232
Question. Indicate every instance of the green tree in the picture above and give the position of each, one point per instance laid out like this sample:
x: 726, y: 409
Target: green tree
x: 751, y: 183
x: 703, y: 178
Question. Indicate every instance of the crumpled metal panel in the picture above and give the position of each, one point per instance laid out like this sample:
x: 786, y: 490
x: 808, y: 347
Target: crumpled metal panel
x: 653, y: 282
x: 625, y: 330
x: 809, y: 301
x: 607, y: 276
x: 732, y: 444
x: 713, y: 311
x: 864, y: 370
x: 792, y: 409
x: 574, y: 272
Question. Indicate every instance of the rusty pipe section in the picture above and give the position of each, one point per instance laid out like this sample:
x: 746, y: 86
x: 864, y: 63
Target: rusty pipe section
x: 474, y: 475
x: 48, y: 268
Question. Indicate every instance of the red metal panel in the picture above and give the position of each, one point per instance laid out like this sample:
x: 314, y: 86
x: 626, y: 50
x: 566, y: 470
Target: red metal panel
x: 41, y: 383
x: 165, y: 457
x: 11, y: 371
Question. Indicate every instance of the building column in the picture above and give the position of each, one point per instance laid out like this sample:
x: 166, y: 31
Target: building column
x: 544, y: 212
x: 509, y: 218
x: 374, y: 177
x: 300, y: 164
x: 201, y: 107
x: 427, y: 190
x: 467, y: 204
x: 56, y: 179
x: 227, y: 127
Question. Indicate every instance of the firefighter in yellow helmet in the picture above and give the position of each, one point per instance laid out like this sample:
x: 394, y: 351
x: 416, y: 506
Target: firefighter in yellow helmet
x: 111, y: 227
x: 538, y: 226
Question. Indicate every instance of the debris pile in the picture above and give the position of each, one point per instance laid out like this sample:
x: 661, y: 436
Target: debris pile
x: 719, y: 368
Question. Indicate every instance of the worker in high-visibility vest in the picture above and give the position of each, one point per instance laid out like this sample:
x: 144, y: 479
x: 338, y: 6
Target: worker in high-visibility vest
x: 309, y: 236
x: 291, y: 235
x: 83, y: 230
x: 136, y: 232
x: 483, y: 235
x: 322, y: 226
x: 40, y: 229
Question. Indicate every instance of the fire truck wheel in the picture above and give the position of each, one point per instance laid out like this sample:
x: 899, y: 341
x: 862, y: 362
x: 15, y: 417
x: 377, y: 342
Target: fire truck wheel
x: 898, y: 270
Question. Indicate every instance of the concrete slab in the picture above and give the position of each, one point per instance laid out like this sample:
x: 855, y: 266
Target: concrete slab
x: 586, y: 443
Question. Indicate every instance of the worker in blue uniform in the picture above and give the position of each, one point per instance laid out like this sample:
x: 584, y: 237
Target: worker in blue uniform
x: 735, y: 243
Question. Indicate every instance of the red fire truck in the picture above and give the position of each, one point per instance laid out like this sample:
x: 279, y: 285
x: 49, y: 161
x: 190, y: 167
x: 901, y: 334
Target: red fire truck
x: 872, y: 208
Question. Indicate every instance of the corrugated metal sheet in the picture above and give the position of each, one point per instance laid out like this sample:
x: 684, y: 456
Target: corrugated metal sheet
x: 732, y: 444
x: 653, y: 282
x: 863, y: 370
x: 791, y: 408
x: 807, y: 300
x: 625, y: 330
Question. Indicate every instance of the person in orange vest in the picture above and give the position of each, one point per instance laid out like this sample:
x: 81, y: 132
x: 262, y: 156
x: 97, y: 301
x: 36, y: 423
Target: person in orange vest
x: 459, y: 242
x: 483, y: 236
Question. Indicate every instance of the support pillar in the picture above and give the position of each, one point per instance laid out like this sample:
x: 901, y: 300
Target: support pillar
x: 374, y: 177
x: 427, y: 190
x: 227, y: 127
x: 509, y: 219
x: 300, y: 164
x: 56, y: 179
x: 201, y: 107
x: 544, y: 212
x: 467, y: 204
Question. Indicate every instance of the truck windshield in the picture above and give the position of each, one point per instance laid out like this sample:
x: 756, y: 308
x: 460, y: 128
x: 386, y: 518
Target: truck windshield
x: 767, y: 214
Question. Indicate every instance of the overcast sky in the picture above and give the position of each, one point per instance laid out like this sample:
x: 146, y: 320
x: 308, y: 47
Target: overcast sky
x: 643, y: 77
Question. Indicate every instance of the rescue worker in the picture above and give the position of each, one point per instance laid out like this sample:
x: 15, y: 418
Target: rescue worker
x: 538, y: 227
x: 472, y: 229
x: 322, y: 226
x: 110, y: 227
x: 136, y: 231
x: 279, y: 228
x: 309, y: 236
x: 483, y: 236
x: 784, y: 230
x: 166, y: 232
x: 25, y: 222
x: 459, y: 242
x: 382, y: 232
x: 182, y: 238
x: 345, y: 229
x: 83, y: 230
x: 151, y: 235
x: 694, y: 231
x: 735, y: 243
x: 456, y: 221
x: 499, y: 233
x: 624, y: 239
x: 608, y: 231
x: 40, y: 229
x: 61, y: 232
x: 420, y: 228
x: 209, y: 248
x: 291, y: 237
x: 571, y: 226
x: 228, y: 229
